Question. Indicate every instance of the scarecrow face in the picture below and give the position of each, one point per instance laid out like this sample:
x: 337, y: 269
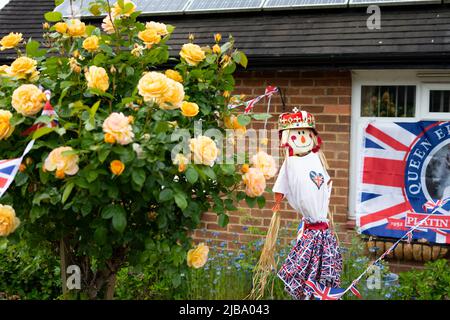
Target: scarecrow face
x: 299, y: 140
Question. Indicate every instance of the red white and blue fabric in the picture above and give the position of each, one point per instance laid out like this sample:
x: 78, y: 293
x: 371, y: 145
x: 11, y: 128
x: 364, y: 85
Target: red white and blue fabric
x: 249, y: 105
x: 392, y: 195
x: 322, y: 292
x: 315, y: 258
x: 9, y: 168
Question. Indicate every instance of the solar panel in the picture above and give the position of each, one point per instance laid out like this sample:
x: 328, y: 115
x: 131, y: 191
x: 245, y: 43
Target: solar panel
x: 223, y: 5
x: 163, y: 6
x: 78, y: 9
x: 283, y: 4
x: 390, y: 2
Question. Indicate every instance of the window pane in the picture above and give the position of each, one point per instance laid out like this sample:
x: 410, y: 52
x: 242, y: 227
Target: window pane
x: 439, y: 101
x: 388, y: 101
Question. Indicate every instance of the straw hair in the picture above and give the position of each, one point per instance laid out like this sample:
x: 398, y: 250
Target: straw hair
x: 266, y: 261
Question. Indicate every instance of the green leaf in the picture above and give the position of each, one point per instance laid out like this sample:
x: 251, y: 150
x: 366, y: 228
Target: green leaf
x: 67, y: 190
x: 58, y: 2
x: 32, y: 49
x: 243, y: 119
x: 53, y: 16
x: 250, y: 201
x: 138, y: 176
x: 36, y: 212
x: 261, y: 201
x: 103, y: 154
x: 223, y: 220
x: 180, y: 200
x: 165, y: 195
x: 42, y: 132
x: 209, y: 172
x: 119, y: 220
x: 191, y: 175
x: 100, y: 235
x: 109, y: 211
x: 241, y: 58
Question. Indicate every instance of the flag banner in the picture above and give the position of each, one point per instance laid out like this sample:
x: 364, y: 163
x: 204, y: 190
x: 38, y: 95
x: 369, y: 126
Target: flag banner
x: 404, y: 177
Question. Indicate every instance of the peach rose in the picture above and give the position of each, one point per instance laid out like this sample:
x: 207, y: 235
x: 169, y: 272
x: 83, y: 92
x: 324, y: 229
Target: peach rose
x: 107, y: 25
x: 204, y: 149
x: 189, y: 109
x: 160, y: 28
x: 197, y: 257
x: 91, y: 43
x: 153, y: 86
x: 76, y: 28
x: 6, y: 129
x: 8, y: 220
x: 192, y: 53
x: 63, y: 163
x: 254, y: 181
x: 97, y: 78
x: 10, y: 41
x: 118, y: 129
x: 28, y: 100
x: 265, y: 163
x: 24, y: 67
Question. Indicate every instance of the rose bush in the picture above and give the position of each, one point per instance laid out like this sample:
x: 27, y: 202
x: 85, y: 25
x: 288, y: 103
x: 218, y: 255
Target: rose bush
x: 101, y: 185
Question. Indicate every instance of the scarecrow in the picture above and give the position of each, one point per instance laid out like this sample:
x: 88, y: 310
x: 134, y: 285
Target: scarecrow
x: 303, y: 180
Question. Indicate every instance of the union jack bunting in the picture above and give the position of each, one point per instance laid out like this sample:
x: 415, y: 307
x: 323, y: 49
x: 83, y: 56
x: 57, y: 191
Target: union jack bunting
x: 405, y: 175
x: 9, y: 168
x: 322, y: 292
x: 269, y: 91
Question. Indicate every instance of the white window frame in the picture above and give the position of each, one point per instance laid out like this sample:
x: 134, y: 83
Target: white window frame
x: 358, y: 123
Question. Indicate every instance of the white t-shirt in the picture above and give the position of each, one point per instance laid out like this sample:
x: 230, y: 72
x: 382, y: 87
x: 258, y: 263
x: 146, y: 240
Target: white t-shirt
x: 304, y: 182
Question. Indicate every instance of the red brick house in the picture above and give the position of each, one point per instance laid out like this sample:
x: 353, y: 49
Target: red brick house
x: 326, y: 60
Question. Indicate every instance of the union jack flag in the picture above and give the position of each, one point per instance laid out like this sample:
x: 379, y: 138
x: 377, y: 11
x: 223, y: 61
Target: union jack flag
x: 9, y: 168
x: 397, y: 160
x: 322, y: 292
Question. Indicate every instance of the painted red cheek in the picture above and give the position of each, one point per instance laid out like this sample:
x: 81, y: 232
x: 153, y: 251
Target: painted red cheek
x: 303, y: 140
x: 293, y: 138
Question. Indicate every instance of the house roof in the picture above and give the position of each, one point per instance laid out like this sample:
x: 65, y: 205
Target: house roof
x: 410, y: 36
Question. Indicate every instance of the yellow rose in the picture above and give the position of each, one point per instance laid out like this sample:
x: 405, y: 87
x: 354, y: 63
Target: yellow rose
x: 217, y: 37
x: 61, y: 27
x: 97, y: 78
x: 8, y: 220
x: 76, y: 28
x: 173, y: 97
x: 160, y: 28
x: 128, y: 8
x: 174, y: 75
x: 117, y: 167
x: 91, y: 43
x: 233, y: 123
x: 153, y: 86
x: 10, y: 41
x: 28, y: 99
x: 192, y: 53
x: 255, y: 183
x: 189, y: 109
x: 149, y: 37
x: 62, y: 162
x: 74, y: 66
x: 4, y: 69
x: 137, y: 50
x: 107, y: 25
x: 265, y: 163
x: 181, y: 161
x: 204, y: 149
x: 197, y: 257
x: 216, y: 49
x: 117, y: 128
x: 23, y: 67
x: 6, y: 129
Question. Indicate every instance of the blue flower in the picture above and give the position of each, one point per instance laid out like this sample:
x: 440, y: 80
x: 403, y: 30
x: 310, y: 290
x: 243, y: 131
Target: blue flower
x: 245, y: 228
x: 388, y: 295
x: 223, y: 244
x: 215, y: 234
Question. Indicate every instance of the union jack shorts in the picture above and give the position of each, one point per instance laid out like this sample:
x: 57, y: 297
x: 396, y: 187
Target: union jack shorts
x: 315, y: 257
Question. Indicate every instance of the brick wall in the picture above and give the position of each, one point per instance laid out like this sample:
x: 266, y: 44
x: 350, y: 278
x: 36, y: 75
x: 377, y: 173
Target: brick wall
x: 326, y: 94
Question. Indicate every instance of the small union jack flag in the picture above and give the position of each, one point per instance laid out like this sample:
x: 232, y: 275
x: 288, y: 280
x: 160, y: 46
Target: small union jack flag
x: 47, y: 111
x: 431, y: 205
x: 322, y: 292
x: 9, y: 168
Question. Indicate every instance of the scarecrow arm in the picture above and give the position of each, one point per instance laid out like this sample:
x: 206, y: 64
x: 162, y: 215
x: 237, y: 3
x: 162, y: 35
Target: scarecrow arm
x: 278, y: 198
